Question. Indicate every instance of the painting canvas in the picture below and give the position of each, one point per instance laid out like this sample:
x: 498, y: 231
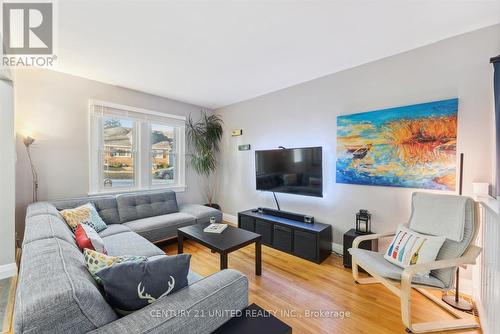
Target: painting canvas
x: 412, y: 146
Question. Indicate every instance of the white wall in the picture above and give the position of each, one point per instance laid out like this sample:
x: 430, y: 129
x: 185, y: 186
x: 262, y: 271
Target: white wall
x: 305, y: 115
x: 52, y: 107
x: 7, y: 177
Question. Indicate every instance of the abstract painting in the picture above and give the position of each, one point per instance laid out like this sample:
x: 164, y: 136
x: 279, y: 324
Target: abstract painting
x: 412, y: 146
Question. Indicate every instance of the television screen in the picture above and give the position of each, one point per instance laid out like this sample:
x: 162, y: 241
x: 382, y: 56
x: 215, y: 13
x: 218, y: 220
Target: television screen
x: 295, y: 171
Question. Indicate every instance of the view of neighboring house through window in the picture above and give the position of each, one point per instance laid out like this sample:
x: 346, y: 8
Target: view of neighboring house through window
x: 163, y: 154
x: 135, y: 149
x: 118, y: 167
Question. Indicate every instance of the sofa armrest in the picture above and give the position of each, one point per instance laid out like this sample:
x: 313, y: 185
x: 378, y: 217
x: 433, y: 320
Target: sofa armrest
x: 42, y: 208
x: 200, y: 308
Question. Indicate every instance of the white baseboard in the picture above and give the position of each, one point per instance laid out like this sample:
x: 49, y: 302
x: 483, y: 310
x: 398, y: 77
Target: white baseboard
x: 337, y: 248
x: 8, y: 270
x: 230, y: 218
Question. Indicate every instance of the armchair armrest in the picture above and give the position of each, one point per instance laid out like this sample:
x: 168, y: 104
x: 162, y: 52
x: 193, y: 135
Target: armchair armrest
x: 469, y: 257
x: 360, y: 239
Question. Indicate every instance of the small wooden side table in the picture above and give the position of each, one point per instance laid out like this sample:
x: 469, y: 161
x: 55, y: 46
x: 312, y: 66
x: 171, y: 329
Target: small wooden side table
x: 349, y: 237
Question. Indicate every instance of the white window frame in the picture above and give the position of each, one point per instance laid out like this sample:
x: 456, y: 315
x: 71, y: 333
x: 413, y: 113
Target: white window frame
x: 142, y: 150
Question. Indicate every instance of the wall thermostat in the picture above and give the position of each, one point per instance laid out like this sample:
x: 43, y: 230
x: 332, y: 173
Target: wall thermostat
x: 244, y: 147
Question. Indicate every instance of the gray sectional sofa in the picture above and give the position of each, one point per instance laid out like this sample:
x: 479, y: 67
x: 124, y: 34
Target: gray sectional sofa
x: 56, y: 294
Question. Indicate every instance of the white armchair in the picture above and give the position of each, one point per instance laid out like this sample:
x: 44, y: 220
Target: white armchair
x: 455, y: 252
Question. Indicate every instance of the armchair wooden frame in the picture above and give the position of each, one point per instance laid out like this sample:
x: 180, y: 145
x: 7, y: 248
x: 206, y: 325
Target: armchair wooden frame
x: 402, y: 288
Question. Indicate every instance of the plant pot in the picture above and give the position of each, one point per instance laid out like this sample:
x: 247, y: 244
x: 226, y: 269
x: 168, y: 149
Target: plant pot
x: 213, y: 205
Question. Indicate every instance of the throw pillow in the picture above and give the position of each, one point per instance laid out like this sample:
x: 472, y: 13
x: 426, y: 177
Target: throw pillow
x: 87, y: 237
x: 409, y: 247
x: 96, y: 261
x: 85, y: 214
x: 130, y: 286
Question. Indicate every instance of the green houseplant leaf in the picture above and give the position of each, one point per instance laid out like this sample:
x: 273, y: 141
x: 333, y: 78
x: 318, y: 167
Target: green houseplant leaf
x: 203, y: 137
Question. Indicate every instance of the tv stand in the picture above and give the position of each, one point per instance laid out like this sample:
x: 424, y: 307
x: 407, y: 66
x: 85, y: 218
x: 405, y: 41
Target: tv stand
x: 286, y: 231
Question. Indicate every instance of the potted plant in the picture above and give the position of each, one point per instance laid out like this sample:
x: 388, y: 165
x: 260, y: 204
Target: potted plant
x: 203, y: 137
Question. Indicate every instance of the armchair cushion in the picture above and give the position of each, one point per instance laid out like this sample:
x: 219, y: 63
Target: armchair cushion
x: 438, y: 214
x: 451, y: 249
x: 374, y: 262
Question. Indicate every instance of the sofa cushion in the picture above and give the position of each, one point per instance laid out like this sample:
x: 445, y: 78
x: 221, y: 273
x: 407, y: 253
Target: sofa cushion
x: 161, y: 227
x: 137, y: 206
x: 56, y: 293
x: 106, y: 206
x: 46, y: 226
x: 114, y: 229
x: 130, y: 243
x: 202, y: 213
x: 130, y: 286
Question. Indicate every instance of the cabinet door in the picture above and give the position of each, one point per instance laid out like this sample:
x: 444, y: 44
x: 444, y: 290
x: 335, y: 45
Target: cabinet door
x: 282, y: 238
x: 305, y: 245
x: 247, y: 223
x: 265, y: 229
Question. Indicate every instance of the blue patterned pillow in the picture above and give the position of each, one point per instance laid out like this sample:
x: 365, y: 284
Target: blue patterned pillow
x: 85, y: 214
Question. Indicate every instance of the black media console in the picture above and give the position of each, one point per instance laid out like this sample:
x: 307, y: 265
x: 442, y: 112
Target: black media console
x: 289, y: 233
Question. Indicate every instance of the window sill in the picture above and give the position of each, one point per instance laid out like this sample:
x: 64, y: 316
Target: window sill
x: 175, y: 188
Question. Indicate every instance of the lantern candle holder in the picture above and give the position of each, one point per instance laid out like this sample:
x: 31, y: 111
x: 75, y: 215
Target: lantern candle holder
x: 363, y: 221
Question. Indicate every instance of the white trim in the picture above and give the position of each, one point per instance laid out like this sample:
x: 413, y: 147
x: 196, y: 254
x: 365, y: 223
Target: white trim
x: 337, y: 248
x: 134, y: 109
x: 491, y: 204
x: 176, y: 188
x: 230, y: 218
x: 8, y: 270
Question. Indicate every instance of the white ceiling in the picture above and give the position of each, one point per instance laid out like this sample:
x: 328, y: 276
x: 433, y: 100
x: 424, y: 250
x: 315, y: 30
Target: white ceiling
x: 215, y: 53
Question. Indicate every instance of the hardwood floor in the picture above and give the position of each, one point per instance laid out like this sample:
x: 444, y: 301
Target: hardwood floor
x: 292, y: 286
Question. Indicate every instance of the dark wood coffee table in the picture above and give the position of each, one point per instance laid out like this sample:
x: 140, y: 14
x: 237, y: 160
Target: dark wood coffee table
x: 231, y: 239
x: 253, y: 320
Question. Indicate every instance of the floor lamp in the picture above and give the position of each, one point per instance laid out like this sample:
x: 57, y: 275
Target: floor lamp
x: 455, y: 300
x: 28, y: 141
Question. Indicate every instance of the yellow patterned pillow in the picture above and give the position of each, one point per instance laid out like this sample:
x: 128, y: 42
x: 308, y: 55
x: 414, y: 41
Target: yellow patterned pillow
x: 85, y: 214
x: 96, y: 261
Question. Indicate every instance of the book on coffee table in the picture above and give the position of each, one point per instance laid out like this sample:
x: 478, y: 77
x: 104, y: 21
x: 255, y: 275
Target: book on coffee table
x: 215, y: 228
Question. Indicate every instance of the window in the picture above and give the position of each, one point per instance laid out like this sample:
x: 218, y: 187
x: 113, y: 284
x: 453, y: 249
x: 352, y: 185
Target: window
x: 135, y: 149
x: 118, y: 158
x: 163, y: 152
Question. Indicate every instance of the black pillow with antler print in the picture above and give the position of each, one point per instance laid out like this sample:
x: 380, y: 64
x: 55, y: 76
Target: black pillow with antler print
x: 130, y: 286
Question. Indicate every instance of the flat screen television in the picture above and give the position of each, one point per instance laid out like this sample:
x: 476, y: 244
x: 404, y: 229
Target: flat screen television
x: 295, y: 171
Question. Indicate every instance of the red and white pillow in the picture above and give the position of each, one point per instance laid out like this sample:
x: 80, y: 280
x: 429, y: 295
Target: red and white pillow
x: 87, y: 237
